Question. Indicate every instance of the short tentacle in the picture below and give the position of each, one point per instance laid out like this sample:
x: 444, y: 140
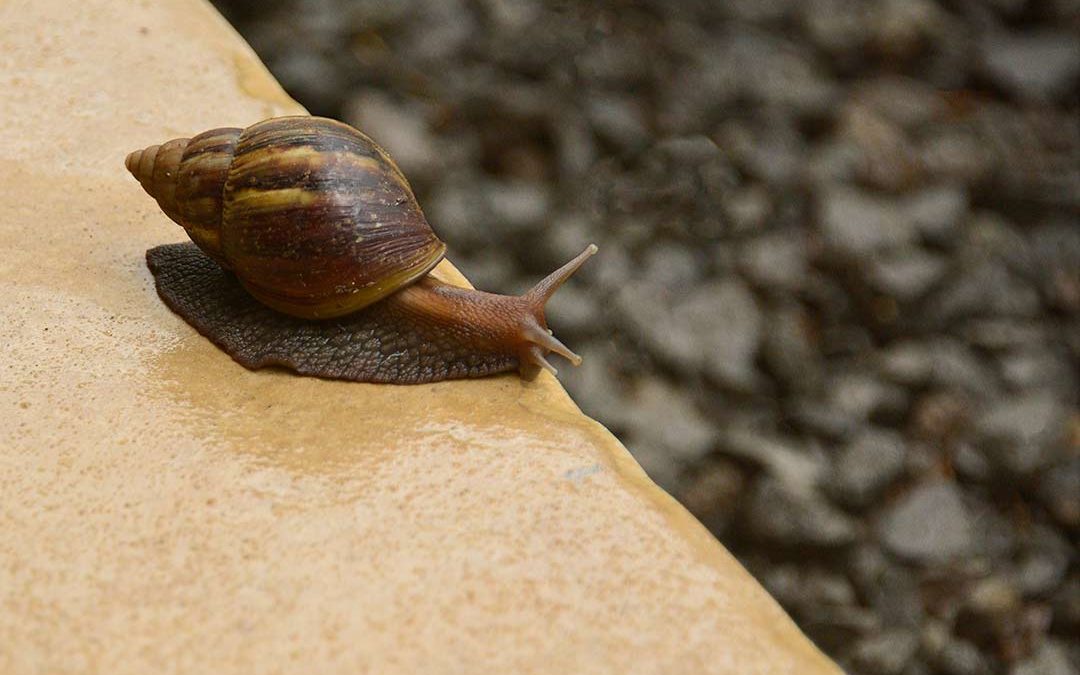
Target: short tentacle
x: 533, y: 359
x: 544, y: 338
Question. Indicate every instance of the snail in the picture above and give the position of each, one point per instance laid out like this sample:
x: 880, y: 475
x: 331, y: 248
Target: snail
x: 310, y: 252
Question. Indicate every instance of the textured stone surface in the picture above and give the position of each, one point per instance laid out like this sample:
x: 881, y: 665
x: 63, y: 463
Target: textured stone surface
x: 165, y: 509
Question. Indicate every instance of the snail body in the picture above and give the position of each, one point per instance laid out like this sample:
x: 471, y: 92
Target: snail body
x: 322, y: 232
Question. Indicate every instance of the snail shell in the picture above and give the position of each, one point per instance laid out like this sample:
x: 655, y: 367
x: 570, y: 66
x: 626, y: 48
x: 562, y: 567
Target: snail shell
x: 312, y: 216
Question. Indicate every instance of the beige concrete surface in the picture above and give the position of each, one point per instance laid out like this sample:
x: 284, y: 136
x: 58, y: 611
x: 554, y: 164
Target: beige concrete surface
x: 164, y: 510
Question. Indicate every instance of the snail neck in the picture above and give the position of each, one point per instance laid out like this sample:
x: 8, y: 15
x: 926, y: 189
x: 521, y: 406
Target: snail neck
x: 481, y: 329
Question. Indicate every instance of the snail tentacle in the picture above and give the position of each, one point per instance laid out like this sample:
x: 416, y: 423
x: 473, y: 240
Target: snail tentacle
x: 542, y: 291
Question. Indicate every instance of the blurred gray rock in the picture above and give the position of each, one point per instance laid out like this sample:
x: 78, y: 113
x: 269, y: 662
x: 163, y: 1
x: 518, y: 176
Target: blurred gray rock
x: 989, y: 610
x: 486, y: 271
x: 621, y: 61
x: 1050, y: 659
x: 694, y: 150
x: 869, y: 463
x: 958, y: 657
x: 1039, y: 367
x: 401, y: 128
x: 575, y: 144
x: 937, y: 211
x: 1067, y: 605
x: 840, y: 339
x: 714, y: 493
x: 887, y: 159
x: 776, y: 514
x: 930, y: 524
x: 984, y: 287
x: 514, y: 205
x: 748, y: 209
x: 475, y: 211
x: 899, y: 28
x: 573, y: 311
x: 1034, y: 155
x: 612, y: 272
x: 513, y: 16
x: 757, y: 11
x: 309, y: 76
x: 857, y: 223
x: 891, y: 589
x: 837, y: 27
x: 775, y: 261
x: 957, y: 154
x: 455, y: 210
x: 436, y: 30
x: 802, y: 589
x: 827, y: 587
x: 860, y: 395
x: 833, y: 161
x: 665, y: 418
x: 887, y: 653
x: 971, y: 464
x: 1055, y: 247
x: 673, y: 266
x: 1040, y: 66
x: 794, y: 466
x: 996, y: 534
x: 772, y: 154
x: 568, y: 234
x: 835, y: 628
x: 764, y: 68
x: 1059, y: 491
x: 789, y: 352
x: 595, y: 384
x: 646, y: 309
x: 618, y: 120
x: 997, y: 334
x: 821, y: 418
x: 957, y: 367
x: 1043, y: 562
x: 908, y: 363
x: 715, y: 328
x: 903, y: 101
x: 906, y: 274
x: 1023, y: 434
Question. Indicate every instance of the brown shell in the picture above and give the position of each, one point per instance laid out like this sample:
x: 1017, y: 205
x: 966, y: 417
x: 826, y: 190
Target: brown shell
x: 187, y: 178
x: 314, y: 218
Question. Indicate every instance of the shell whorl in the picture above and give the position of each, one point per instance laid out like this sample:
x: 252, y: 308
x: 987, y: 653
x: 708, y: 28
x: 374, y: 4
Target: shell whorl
x: 187, y: 178
x: 156, y: 168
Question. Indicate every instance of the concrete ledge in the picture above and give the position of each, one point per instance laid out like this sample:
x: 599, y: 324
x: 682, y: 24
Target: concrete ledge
x: 163, y: 509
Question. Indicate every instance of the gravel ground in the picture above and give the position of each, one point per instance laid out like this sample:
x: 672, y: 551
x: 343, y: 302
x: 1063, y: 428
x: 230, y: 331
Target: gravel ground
x: 836, y: 310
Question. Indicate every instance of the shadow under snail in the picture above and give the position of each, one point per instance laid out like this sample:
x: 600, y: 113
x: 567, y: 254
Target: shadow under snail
x: 311, y: 252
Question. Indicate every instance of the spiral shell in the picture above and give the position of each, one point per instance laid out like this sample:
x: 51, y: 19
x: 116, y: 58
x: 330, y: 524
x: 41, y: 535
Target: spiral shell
x: 314, y: 218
